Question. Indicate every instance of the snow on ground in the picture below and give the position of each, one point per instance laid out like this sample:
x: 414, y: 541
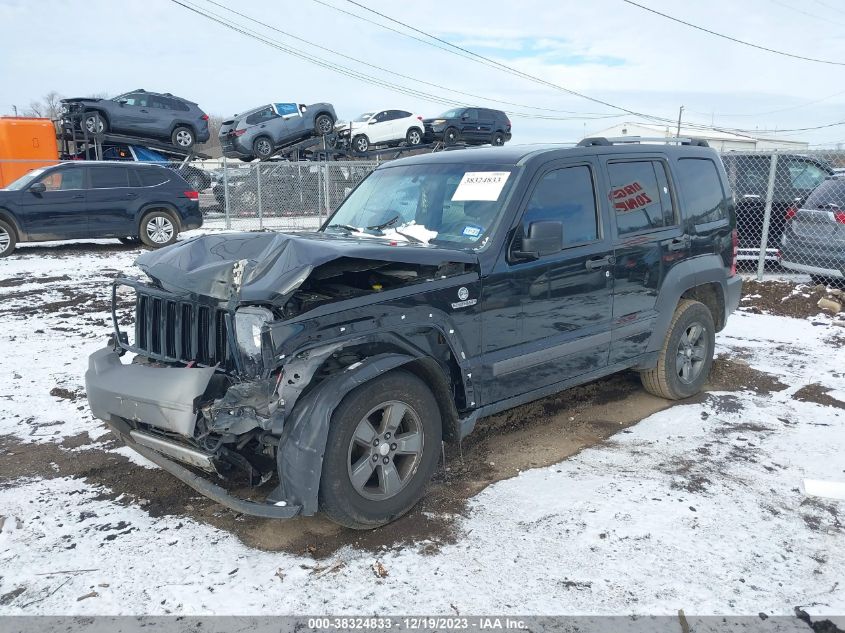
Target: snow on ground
x: 697, y: 507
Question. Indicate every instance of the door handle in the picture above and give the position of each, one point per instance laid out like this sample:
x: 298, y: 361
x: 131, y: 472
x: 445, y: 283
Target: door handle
x: 600, y: 262
x: 145, y: 111
x: 131, y: 196
x: 678, y: 244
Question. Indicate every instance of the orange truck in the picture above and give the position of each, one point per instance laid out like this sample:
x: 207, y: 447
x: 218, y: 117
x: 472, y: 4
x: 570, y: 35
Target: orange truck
x: 25, y: 144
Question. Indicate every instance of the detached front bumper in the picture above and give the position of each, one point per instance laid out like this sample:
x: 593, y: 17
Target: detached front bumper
x: 164, y: 398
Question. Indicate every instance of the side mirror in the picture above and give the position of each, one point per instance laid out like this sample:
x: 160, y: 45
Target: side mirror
x: 544, y: 238
x: 122, y: 102
x: 38, y: 188
x: 372, y: 122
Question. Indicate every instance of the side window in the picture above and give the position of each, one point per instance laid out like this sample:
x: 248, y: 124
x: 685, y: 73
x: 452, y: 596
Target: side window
x: 137, y: 99
x: 393, y: 115
x: 151, y: 177
x: 63, y: 180
x: 638, y: 196
x: 699, y: 184
x: 402, y: 114
x: 567, y: 195
x: 109, y: 177
x: 265, y: 114
x: 381, y: 117
x: 805, y: 175
x: 470, y: 115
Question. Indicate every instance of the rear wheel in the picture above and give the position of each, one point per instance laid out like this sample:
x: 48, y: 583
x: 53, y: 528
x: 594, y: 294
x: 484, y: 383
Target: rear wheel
x: 414, y: 136
x: 8, y: 240
x: 382, y: 449
x: 361, y: 143
x: 158, y: 228
x: 262, y: 147
x: 686, y: 357
x: 498, y: 139
x: 450, y: 136
x: 183, y: 137
x: 323, y: 124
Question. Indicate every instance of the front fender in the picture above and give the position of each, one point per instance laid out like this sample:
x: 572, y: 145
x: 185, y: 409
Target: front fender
x: 299, y: 457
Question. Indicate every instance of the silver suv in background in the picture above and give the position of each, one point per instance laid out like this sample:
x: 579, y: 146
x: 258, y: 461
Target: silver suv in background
x: 260, y: 132
x: 145, y: 114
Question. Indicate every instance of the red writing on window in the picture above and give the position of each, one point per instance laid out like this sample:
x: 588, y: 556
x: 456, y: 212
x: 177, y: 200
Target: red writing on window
x: 629, y: 198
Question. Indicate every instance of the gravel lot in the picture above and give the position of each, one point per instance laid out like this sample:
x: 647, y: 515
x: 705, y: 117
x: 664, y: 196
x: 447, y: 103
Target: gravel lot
x: 599, y: 500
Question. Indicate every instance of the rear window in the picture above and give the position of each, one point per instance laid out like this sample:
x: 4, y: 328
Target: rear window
x: 262, y: 115
x: 701, y: 189
x: 829, y: 195
x: 640, y: 196
x: 109, y: 177
x: 152, y: 176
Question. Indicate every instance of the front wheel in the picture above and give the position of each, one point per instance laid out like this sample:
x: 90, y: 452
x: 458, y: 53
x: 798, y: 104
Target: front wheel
x: 183, y: 137
x: 382, y: 449
x: 450, y: 136
x: 7, y: 239
x: 94, y: 123
x: 158, y: 229
x: 414, y: 136
x: 361, y: 143
x: 686, y: 357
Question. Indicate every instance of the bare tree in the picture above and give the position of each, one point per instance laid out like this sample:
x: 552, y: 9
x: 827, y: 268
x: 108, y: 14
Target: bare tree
x: 49, y: 107
x: 212, y: 146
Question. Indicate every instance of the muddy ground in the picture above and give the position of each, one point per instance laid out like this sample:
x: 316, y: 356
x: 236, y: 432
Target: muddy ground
x: 538, y: 434
x: 784, y: 298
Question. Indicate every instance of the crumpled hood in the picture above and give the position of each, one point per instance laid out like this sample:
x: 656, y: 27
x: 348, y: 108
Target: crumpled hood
x: 267, y: 267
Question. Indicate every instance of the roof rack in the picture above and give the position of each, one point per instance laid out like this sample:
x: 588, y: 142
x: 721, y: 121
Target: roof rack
x: 595, y: 141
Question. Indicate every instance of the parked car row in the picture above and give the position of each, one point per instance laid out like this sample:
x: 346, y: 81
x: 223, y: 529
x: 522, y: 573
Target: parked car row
x: 262, y: 132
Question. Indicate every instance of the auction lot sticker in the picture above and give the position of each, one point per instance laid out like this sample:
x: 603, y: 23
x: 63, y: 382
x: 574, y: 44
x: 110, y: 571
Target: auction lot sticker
x: 481, y: 186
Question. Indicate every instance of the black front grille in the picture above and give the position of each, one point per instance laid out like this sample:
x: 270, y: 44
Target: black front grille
x: 173, y: 330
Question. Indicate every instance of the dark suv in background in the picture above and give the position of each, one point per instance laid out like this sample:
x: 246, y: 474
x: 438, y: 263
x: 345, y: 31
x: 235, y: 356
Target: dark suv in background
x: 79, y: 200
x: 471, y: 125
x: 147, y: 114
x: 445, y: 288
x: 796, y: 177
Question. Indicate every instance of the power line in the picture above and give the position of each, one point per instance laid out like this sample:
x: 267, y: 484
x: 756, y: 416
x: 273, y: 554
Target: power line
x: 733, y: 39
x: 826, y: 20
x: 578, y: 115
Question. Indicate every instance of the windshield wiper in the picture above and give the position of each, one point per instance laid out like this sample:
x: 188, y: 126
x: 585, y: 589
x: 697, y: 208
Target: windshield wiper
x: 410, y: 238
x: 384, y: 225
x: 347, y: 227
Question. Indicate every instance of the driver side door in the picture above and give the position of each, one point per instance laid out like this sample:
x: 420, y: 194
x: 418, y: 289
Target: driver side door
x: 547, y: 316
x: 60, y: 211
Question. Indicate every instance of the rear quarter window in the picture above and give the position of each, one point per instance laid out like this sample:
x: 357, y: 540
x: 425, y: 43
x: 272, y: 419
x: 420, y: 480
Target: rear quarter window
x: 152, y: 177
x: 701, y: 190
x: 829, y: 195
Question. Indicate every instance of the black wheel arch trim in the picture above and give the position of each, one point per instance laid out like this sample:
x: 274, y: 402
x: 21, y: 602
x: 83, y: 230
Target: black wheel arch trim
x: 9, y: 217
x: 154, y: 206
x: 684, y: 276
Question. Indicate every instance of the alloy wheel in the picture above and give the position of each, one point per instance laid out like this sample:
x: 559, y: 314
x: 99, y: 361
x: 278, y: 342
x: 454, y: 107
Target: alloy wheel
x: 385, y: 450
x: 263, y: 147
x: 324, y: 124
x: 414, y: 137
x: 94, y: 124
x: 5, y: 239
x: 692, y: 353
x: 160, y: 230
x: 184, y: 138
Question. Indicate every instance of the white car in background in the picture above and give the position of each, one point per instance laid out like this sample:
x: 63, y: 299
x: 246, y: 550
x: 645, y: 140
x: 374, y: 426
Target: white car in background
x: 379, y: 127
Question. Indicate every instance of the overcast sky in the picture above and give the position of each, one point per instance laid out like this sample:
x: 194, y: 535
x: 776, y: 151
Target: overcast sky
x: 603, y: 48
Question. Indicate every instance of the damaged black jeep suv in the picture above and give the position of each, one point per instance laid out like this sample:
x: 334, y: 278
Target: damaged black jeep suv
x: 326, y: 369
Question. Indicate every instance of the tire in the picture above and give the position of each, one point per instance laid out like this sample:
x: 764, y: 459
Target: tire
x: 183, y: 137
x: 323, y: 124
x: 8, y: 239
x: 262, y: 147
x: 154, y: 230
x: 95, y: 123
x: 365, y: 503
x: 414, y: 136
x: 666, y: 379
x: 451, y: 136
x: 497, y: 140
x: 361, y: 143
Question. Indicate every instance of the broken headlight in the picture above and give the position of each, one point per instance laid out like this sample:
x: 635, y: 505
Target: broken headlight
x: 249, y: 322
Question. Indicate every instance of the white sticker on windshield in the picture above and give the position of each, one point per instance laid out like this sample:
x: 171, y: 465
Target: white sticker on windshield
x: 481, y: 186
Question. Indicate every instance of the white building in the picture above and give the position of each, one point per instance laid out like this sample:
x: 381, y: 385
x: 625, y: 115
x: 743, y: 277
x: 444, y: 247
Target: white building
x: 721, y: 141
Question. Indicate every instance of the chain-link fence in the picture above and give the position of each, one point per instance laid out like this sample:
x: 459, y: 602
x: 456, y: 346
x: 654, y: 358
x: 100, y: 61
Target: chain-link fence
x: 277, y: 195
x: 790, y: 203
x: 790, y: 210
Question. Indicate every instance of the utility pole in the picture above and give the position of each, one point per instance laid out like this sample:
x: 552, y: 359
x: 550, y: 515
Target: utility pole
x: 15, y: 108
x: 680, y: 114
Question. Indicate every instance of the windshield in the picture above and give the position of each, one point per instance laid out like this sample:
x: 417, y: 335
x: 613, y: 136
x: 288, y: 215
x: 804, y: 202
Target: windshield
x: 363, y: 118
x: 451, y: 114
x: 456, y: 203
x: 24, y: 181
x: 828, y: 195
